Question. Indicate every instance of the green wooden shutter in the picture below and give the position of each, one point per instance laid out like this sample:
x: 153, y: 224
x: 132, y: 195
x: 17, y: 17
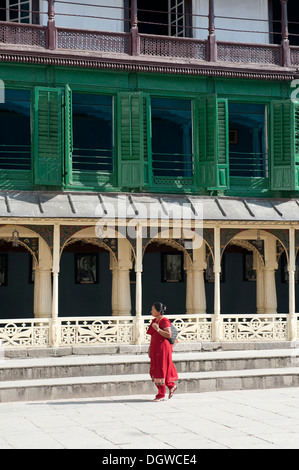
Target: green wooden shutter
x: 132, y: 139
x: 284, y: 146
x: 68, y: 136
x: 223, y: 144
x: 48, y: 150
x: 147, y: 136
x: 213, y: 169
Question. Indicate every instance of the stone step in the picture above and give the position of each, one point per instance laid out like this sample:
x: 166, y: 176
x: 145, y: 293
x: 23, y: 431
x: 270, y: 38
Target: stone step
x: 125, y: 385
x: 103, y: 365
x: 50, y: 378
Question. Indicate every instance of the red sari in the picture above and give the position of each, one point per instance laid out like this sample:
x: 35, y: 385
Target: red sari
x: 162, y: 369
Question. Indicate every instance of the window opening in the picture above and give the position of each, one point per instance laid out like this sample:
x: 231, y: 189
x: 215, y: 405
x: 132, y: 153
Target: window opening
x: 172, y: 149
x: 15, y: 135
x: 247, y: 140
x: 165, y: 17
x: 20, y: 11
x: 176, y: 22
x: 92, y: 133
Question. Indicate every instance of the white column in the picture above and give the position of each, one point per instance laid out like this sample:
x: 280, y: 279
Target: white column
x: 217, y: 271
x: 269, y: 276
x: 114, y: 295
x: 55, y: 271
x: 189, y: 284
x: 260, y: 295
x: 42, y: 285
x: 138, y: 270
x: 199, y: 292
x: 42, y: 293
x: 123, y: 280
x: 37, y: 292
x: 292, y: 271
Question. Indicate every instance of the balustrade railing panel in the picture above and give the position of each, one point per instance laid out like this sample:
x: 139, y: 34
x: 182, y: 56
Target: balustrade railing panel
x: 22, y: 34
x: 295, y: 55
x: 96, y: 331
x: 81, y: 40
x: 119, y: 29
x: 167, y: 46
x: 249, y: 53
x: 191, y: 328
x: 24, y: 333
x: 76, y: 331
x: 255, y: 328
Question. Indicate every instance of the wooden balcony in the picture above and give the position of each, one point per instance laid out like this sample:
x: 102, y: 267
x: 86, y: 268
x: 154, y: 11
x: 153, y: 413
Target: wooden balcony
x: 43, y: 43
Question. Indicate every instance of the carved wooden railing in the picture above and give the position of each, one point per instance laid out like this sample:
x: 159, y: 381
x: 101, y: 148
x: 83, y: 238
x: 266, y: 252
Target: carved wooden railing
x: 23, y: 34
x: 160, y: 47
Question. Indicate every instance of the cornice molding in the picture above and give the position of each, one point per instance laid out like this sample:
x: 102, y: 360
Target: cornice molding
x: 211, y: 70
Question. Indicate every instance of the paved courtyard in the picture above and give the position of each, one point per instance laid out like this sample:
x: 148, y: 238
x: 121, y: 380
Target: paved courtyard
x: 218, y: 420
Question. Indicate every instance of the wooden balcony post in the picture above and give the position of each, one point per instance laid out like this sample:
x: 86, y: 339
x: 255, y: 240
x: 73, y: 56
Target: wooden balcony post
x: 212, y: 44
x: 285, y: 44
x: 52, y: 32
x: 135, y: 38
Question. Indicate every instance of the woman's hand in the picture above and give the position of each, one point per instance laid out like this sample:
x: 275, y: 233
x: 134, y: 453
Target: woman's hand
x: 155, y: 326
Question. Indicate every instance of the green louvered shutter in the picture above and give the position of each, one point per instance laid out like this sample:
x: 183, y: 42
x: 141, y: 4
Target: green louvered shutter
x: 147, y: 173
x: 48, y: 137
x: 132, y: 139
x: 223, y: 144
x: 213, y: 172
x: 68, y: 136
x: 284, y: 146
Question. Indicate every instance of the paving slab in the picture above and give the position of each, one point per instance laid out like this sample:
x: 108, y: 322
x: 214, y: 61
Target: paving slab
x: 213, y: 420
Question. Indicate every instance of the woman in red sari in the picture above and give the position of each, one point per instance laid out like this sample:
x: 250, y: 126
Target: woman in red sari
x: 162, y: 369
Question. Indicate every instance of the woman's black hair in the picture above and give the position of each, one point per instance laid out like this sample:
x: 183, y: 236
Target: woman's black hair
x: 160, y: 307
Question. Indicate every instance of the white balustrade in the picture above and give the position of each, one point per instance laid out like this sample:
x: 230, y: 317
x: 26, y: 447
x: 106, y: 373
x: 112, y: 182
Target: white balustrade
x: 75, y: 331
x: 24, y: 333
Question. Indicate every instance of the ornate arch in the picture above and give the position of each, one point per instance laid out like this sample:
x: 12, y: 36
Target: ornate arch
x: 230, y: 235
x: 92, y: 241
x: 108, y: 241
x: 178, y: 243
x: 170, y: 242
x: 31, y: 239
x: 246, y: 244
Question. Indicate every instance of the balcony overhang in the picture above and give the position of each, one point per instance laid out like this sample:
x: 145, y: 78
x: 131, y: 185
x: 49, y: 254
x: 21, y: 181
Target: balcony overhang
x: 144, y: 207
x: 161, y: 65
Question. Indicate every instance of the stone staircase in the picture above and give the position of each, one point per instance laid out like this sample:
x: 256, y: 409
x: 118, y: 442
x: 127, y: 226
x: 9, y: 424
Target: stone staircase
x: 53, y: 377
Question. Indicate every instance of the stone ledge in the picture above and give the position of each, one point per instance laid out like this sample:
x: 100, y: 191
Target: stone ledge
x: 22, y: 353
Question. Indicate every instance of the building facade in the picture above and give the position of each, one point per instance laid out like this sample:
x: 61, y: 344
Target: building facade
x: 148, y: 151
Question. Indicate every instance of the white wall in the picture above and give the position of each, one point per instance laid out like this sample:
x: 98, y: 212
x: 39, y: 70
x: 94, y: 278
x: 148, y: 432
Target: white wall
x: 256, y: 9
x: 113, y: 23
